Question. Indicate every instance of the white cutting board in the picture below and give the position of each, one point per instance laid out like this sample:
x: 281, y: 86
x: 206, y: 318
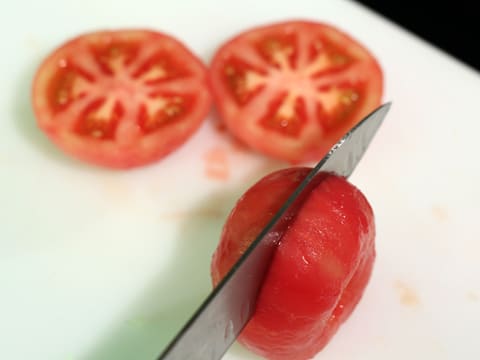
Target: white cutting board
x: 100, y: 265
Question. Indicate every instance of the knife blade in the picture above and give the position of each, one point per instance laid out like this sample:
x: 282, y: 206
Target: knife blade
x: 211, y: 330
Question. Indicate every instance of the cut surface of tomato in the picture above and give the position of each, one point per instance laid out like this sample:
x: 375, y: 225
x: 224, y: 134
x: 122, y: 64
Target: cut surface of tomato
x: 319, y: 270
x: 120, y: 98
x: 291, y: 90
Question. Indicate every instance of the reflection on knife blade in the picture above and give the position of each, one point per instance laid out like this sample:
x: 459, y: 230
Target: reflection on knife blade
x: 221, y: 317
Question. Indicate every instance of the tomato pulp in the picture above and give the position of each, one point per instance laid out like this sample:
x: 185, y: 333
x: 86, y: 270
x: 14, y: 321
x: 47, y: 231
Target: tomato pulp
x: 319, y: 270
x: 291, y: 90
x: 120, y: 98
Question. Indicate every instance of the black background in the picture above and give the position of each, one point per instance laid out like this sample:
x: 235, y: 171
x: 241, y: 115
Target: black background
x: 453, y: 26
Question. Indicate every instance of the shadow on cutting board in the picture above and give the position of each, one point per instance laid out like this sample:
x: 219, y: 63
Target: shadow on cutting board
x: 152, y: 321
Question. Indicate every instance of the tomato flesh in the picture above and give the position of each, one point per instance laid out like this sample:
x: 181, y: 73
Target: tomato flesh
x: 120, y: 98
x: 291, y: 90
x: 319, y: 270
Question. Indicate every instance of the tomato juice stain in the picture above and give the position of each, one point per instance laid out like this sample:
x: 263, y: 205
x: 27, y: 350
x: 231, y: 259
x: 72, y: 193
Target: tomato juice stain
x: 407, y: 296
x: 217, y: 166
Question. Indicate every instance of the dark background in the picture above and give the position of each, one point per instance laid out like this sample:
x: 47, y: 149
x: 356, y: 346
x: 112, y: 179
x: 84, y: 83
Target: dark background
x: 453, y: 26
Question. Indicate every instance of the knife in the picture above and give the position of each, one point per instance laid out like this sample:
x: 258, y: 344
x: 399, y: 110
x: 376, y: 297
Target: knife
x: 226, y: 310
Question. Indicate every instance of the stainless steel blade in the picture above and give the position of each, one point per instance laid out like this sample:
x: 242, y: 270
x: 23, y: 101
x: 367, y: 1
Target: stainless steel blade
x: 218, y: 321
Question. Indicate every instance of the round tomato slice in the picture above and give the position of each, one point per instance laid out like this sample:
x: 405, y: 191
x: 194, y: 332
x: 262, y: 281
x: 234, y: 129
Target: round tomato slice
x: 320, y: 268
x: 120, y: 98
x: 292, y: 90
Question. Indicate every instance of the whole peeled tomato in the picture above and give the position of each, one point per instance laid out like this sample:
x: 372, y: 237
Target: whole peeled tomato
x: 319, y: 270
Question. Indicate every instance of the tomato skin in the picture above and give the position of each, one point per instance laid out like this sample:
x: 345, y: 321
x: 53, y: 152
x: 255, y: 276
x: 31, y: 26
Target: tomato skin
x: 150, y: 115
x: 290, y: 111
x: 319, y: 271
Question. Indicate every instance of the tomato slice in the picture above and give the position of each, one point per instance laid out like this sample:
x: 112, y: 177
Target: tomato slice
x: 291, y: 90
x: 120, y: 98
x: 320, y: 268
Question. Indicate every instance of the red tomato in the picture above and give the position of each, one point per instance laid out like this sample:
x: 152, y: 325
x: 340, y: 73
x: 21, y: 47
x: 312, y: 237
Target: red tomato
x: 120, y: 98
x: 319, y: 270
x: 292, y: 90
